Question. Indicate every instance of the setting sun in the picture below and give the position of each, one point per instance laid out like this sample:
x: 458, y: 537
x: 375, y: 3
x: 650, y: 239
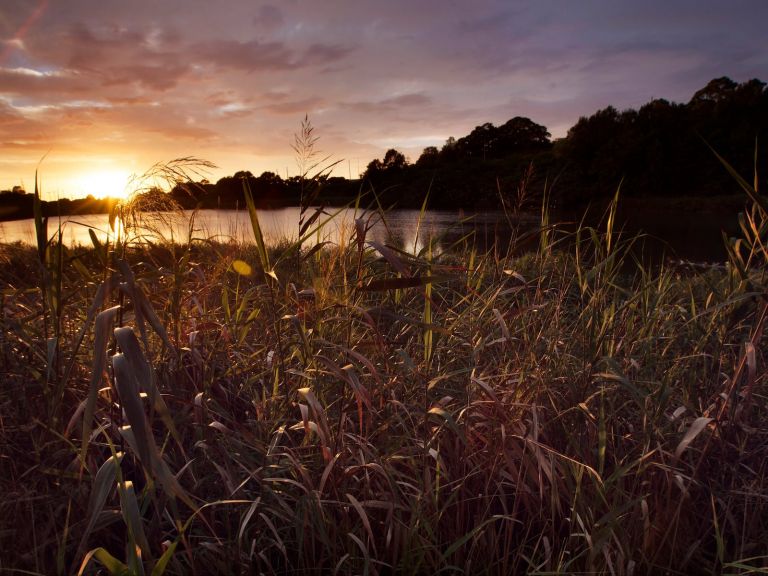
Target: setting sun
x: 112, y: 183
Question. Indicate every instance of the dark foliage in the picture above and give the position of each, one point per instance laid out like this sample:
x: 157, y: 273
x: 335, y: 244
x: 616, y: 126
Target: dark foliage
x: 16, y: 204
x: 663, y: 149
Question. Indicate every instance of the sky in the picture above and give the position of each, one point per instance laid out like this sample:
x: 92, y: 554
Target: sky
x: 92, y: 91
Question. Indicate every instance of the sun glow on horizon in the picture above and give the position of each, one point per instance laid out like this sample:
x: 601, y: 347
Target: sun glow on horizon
x: 104, y: 183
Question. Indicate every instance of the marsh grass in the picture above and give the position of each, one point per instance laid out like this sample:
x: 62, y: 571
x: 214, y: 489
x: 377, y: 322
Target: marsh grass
x: 221, y: 408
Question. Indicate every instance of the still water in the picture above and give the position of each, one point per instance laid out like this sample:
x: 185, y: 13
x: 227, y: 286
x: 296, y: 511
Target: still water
x: 406, y: 228
x: 696, y: 237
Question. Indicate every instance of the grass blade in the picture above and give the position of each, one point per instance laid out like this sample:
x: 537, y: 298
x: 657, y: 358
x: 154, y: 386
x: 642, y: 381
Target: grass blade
x: 132, y: 517
x: 112, y: 564
x: 693, y: 431
x: 129, y: 345
x: 256, y: 227
x: 103, y: 483
x: 103, y: 323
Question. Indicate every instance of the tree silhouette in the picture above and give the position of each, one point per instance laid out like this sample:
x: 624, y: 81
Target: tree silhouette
x: 517, y: 135
x: 522, y: 134
x: 393, y: 161
x: 429, y: 158
x: 715, y: 91
x: 663, y: 149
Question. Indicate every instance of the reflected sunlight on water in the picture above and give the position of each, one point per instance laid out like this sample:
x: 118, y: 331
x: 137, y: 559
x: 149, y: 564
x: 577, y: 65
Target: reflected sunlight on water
x: 403, y: 228
x: 668, y: 234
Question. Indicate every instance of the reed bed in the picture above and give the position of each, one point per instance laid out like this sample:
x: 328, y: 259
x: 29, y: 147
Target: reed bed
x: 357, y: 408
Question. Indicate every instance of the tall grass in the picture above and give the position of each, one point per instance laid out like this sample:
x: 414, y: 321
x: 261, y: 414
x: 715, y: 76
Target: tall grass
x: 377, y: 411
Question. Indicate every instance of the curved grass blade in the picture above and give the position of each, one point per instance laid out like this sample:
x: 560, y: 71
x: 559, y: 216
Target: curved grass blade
x: 132, y: 516
x: 130, y: 401
x: 103, y: 322
x: 143, y: 441
x: 103, y: 483
x: 695, y: 429
x: 390, y: 256
x: 751, y: 191
x: 256, y: 227
x: 112, y: 564
x: 399, y: 283
x: 162, y: 563
x: 129, y: 344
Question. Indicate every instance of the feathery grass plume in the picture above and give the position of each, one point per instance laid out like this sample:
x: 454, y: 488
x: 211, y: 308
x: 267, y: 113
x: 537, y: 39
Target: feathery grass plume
x: 151, y: 210
x: 313, y: 171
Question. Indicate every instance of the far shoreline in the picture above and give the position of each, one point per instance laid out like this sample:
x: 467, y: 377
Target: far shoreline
x: 730, y: 204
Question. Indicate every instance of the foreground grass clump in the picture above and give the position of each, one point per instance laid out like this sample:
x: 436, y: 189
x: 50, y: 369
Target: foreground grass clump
x: 207, y: 408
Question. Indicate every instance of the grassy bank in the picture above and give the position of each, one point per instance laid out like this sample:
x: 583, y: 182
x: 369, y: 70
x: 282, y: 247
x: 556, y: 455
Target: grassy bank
x: 357, y: 409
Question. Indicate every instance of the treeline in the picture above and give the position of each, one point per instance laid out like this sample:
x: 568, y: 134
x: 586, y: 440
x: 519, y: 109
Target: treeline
x: 667, y: 149
x: 269, y: 190
x: 663, y: 149
x: 464, y: 173
x: 17, y: 204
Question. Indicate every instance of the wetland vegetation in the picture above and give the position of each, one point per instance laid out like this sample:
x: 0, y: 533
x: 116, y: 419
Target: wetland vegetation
x: 357, y: 407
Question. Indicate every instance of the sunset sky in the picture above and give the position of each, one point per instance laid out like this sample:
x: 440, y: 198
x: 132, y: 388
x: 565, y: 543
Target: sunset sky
x: 108, y: 88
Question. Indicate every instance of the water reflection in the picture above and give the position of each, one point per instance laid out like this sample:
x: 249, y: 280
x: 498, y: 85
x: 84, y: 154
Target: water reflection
x: 670, y: 234
x: 409, y: 230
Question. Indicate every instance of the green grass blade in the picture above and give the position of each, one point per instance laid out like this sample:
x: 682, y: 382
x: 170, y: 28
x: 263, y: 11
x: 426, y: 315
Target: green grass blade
x: 114, y: 566
x: 162, y: 563
x: 256, y: 227
x: 143, y: 441
x: 41, y: 223
x: 129, y: 344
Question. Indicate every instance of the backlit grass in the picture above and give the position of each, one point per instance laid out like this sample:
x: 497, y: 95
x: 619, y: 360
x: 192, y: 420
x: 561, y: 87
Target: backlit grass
x: 358, y: 409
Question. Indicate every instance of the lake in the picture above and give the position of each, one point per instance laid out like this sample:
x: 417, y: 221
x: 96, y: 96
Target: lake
x: 402, y: 227
x: 678, y: 234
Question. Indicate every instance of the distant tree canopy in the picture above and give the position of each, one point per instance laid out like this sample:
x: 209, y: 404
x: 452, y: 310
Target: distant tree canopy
x: 518, y: 135
x: 663, y: 149
x: 463, y: 172
x: 18, y: 190
x: 228, y: 192
x: 16, y: 204
x: 393, y: 161
x: 429, y: 158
